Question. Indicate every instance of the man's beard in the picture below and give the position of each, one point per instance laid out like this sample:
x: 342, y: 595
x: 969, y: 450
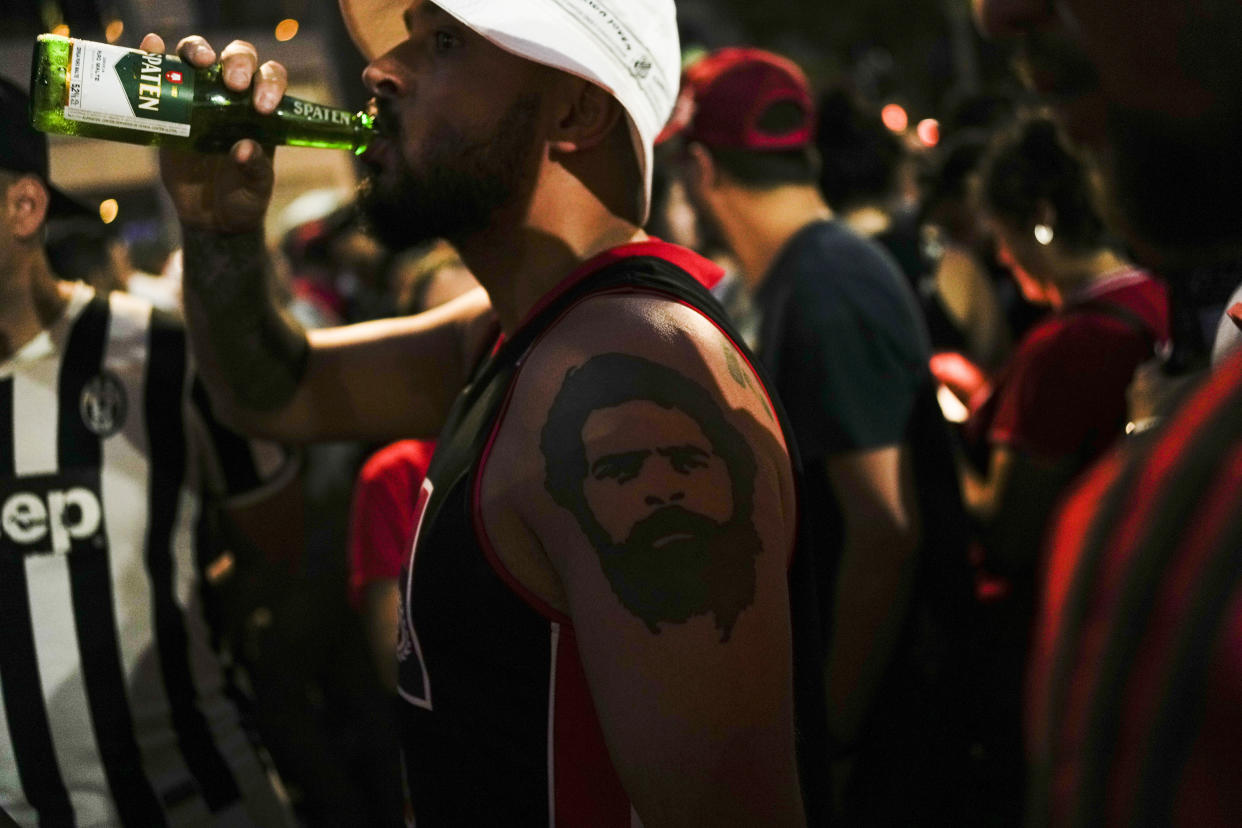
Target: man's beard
x: 705, y: 567
x: 460, y: 187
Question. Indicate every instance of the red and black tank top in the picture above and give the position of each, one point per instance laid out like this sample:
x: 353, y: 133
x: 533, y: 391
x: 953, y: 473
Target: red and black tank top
x: 498, y: 726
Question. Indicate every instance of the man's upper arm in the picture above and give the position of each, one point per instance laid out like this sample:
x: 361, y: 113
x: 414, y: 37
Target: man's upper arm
x: 659, y: 489
x: 875, y: 488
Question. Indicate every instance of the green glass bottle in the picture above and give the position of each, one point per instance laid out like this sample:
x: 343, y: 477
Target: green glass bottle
x: 96, y: 90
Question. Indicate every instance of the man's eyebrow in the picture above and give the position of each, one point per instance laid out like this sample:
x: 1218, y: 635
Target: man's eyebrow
x: 620, y: 458
x: 423, y: 9
x: 683, y: 448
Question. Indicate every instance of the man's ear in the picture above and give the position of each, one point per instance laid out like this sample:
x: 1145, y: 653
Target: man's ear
x: 587, y: 119
x: 702, y: 174
x: 26, y: 202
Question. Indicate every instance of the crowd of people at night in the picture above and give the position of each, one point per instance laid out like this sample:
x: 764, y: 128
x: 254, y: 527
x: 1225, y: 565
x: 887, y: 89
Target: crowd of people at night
x: 656, y: 437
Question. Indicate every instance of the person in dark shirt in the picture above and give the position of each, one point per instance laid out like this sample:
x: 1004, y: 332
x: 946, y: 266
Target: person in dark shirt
x: 843, y: 338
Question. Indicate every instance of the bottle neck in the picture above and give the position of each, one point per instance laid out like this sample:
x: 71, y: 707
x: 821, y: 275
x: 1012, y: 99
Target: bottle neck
x: 308, y: 124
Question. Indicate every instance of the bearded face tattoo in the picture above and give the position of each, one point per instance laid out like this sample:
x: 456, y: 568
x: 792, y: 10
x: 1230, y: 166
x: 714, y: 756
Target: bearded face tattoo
x: 668, y: 504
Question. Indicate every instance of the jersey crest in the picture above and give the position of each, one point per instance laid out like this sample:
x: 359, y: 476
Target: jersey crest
x: 103, y: 404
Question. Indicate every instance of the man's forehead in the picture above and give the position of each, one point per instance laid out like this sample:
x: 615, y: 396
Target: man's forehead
x: 422, y: 11
x: 639, y: 422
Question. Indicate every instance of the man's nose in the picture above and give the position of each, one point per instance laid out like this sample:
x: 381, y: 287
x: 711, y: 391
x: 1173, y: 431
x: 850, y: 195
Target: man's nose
x: 664, y: 499
x: 1006, y: 18
x: 662, y: 483
x: 380, y: 78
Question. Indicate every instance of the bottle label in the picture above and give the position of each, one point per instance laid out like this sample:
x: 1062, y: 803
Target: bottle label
x: 296, y: 109
x: 121, y: 87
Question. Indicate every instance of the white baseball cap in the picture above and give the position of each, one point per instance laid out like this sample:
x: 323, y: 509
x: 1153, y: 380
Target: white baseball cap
x: 630, y: 48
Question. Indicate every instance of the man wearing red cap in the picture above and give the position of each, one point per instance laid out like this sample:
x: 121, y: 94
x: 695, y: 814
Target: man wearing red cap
x: 846, y: 347
x: 595, y: 618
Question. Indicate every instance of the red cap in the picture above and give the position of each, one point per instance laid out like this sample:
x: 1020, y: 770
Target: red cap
x: 725, y: 95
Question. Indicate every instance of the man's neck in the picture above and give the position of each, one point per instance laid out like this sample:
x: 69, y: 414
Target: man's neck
x: 518, y: 263
x: 758, y: 224
x: 31, y: 299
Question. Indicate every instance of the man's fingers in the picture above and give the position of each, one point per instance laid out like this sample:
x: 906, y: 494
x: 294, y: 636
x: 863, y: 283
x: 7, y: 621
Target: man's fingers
x: 152, y: 43
x: 238, y: 63
x: 196, y: 51
x: 269, y: 86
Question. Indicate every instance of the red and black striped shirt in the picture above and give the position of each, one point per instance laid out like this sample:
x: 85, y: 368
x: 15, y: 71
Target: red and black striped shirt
x: 1133, y: 713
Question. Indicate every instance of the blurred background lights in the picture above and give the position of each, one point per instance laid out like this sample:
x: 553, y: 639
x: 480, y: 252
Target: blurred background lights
x: 114, y: 30
x: 895, y: 117
x: 108, y: 209
x: 61, y: 29
x: 286, y: 29
x: 929, y: 132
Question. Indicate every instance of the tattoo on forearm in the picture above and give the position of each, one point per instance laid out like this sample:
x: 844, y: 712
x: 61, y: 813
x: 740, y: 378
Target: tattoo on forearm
x: 661, y: 483
x: 743, y: 379
x: 260, y: 352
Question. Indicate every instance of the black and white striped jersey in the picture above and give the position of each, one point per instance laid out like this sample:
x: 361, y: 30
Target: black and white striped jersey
x: 112, y: 704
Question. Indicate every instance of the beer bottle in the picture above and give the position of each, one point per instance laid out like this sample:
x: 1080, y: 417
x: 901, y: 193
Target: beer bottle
x: 96, y: 90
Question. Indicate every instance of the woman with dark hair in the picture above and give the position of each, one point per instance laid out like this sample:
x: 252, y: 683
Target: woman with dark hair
x: 1060, y: 401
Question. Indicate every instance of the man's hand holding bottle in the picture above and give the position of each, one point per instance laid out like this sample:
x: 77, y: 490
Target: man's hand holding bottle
x: 227, y: 193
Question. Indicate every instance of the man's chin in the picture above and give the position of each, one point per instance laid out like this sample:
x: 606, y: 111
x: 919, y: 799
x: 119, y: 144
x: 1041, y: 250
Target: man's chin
x: 384, y: 215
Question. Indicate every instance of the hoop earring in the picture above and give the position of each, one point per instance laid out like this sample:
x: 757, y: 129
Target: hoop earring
x: 1044, y: 234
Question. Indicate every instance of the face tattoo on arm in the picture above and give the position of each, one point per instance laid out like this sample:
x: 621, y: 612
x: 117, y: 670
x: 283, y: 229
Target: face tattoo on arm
x: 661, y: 483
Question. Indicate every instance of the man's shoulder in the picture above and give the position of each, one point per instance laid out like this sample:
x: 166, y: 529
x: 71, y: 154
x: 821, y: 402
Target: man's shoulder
x: 1081, y: 341
x: 661, y: 328
x: 828, y: 267
x: 654, y: 257
x: 832, y: 244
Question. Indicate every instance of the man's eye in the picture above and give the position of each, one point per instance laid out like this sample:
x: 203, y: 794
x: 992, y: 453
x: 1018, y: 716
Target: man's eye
x: 685, y: 458
x: 623, y: 467
x: 686, y: 463
x: 446, y: 41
